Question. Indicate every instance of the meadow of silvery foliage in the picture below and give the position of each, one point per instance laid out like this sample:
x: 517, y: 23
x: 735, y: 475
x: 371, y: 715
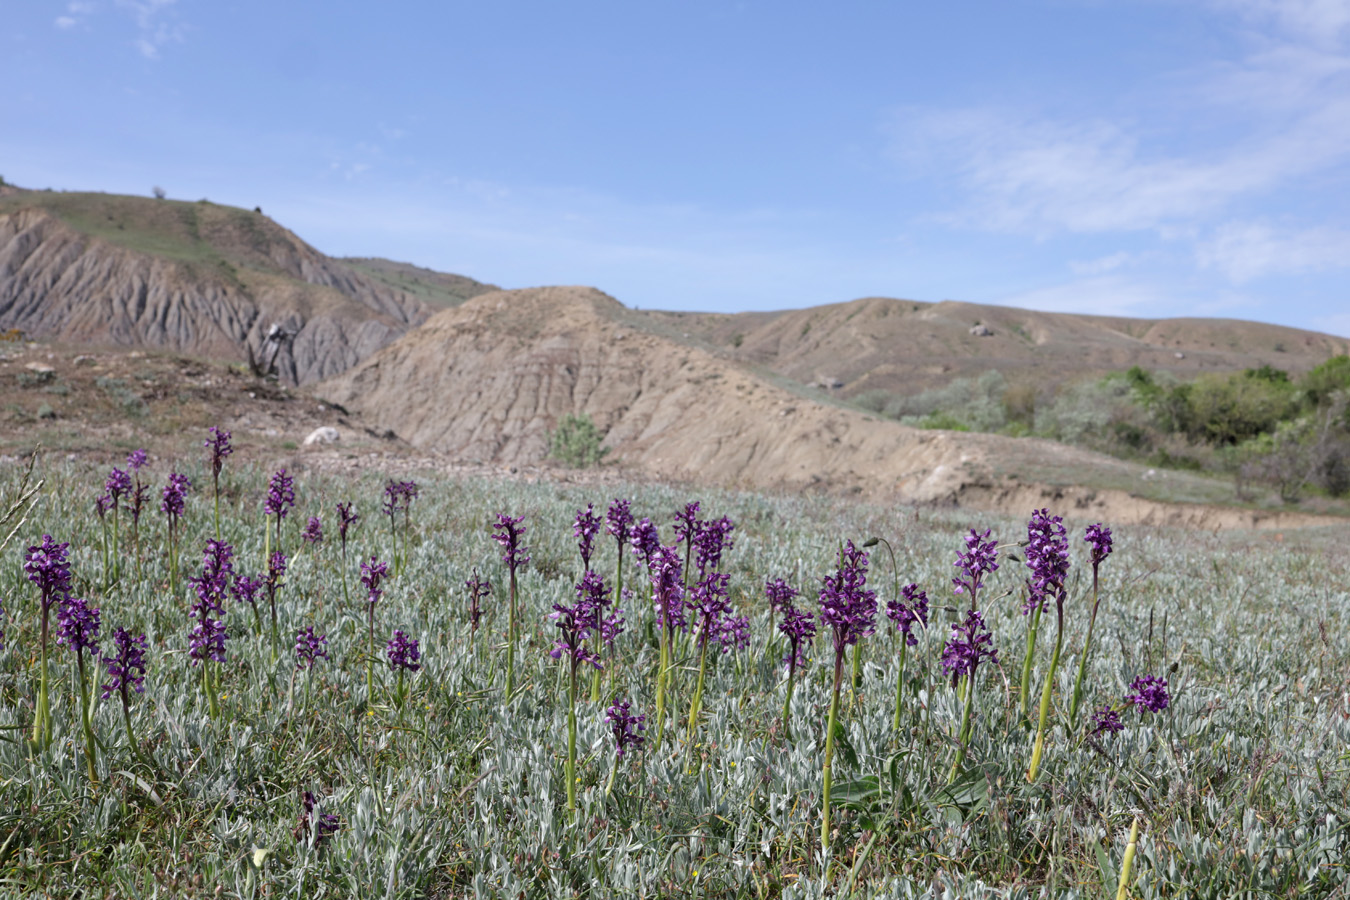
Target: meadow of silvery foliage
x: 1240, y: 786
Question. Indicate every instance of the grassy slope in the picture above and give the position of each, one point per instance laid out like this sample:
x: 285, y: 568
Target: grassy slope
x: 438, y: 289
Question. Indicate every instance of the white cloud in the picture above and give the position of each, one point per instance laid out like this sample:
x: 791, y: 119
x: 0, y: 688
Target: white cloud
x: 1101, y: 265
x: 1042, y: 176
x: 76, y: 13
x: 1243, y: 251
x: 157, y: 27
x: 1316, y: 21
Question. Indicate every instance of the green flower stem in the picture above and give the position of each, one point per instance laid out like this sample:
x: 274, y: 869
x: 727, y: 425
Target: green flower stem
x: 662, y: 672
x: 216, y: 481
x: 695, y: 705
x: 572, y: 738
x: 511, y: 639
x: 173, y: 559
x: 370, y: 653
x: 1024, y: 692
x: 126, y: 720
x: 103, y: 526
x: 900, y: 687
x: 86, y: 721
x: 346, y: 598
x: 1122, y: 889
x: 212, y: 701
x: 613, y: 773
x: 1039, y: 748
x: 826, y: 773
x: 42, y: 714
x: 1083, y: 661
x: 963, y: 736
x: 857, y: 666
x: 116, y: 563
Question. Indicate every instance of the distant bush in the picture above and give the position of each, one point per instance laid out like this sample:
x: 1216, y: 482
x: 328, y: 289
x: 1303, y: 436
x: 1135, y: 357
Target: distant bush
x: 967, y: 404
x: 576, y: 442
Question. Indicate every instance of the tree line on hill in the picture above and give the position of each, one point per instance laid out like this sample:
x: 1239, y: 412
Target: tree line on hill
x: 1261, y: 426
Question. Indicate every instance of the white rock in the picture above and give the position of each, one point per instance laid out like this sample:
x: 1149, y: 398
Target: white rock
x: 326, y: 434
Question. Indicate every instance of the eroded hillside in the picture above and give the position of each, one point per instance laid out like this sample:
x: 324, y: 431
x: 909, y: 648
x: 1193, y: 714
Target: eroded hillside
x: 487, y: 381
x: 189, y: 277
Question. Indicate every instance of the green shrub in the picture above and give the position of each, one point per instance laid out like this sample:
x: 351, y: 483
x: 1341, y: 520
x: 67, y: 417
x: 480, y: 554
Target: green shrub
x: 576, y: 442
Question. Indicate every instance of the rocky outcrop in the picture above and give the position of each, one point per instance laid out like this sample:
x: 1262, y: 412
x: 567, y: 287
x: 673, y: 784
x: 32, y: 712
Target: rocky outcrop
x: 215, y: 290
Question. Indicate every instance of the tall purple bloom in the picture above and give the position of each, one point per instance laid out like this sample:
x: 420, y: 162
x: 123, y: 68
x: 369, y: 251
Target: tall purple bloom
x: 118, y: 483
x: 346, y: 519
x: 372, y: 574
x: 173, y: 499
x: 77, y: 625
x: 1048, y: 558
x: 911, y: 609
x: 136, y: 501
x: 46, y: 566
x: 667, y: 587
x: 136, y: 459
x: 399, y: 495
x: 592, y: 597
x: 780, y: 594
x: 970, y: 644
x: 280, y: 495
x: 479, y: 590
x: 574, y: 622
x: 219, y: 445
x: 1107, y: 721
x: 508, y: 532
x: 1099, y: 536
x: 800, y: 629
x: 686, y: 522
x: 126, y: 667
x: 979, y: 560
x: 208, y: 637
x: 403, y: 653
x: 711, y: 539
x: 313, y: 532
x: 276, y: 570
x: 646, y: 541
x: 619, y: 520
x: 846, y: 605
x: 1149, y: 692
x: 585, y: 527
x: 245, y: 588
x: 626, y: 727
x: 309, y: 647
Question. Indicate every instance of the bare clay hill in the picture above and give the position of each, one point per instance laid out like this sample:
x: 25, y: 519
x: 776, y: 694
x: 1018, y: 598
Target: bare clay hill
x: 902, y: 346
x: 196, y: 278
x: 486, y: 381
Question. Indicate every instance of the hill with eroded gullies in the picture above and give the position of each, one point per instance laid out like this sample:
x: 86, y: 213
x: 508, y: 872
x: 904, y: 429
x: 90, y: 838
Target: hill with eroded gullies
x: 900, y: 347
x: 756, y: 400
x: 194, y: 278
x: 488, y: 380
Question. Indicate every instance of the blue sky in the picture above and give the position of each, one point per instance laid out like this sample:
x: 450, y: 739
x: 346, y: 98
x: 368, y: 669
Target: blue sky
x: 1135, y: 157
